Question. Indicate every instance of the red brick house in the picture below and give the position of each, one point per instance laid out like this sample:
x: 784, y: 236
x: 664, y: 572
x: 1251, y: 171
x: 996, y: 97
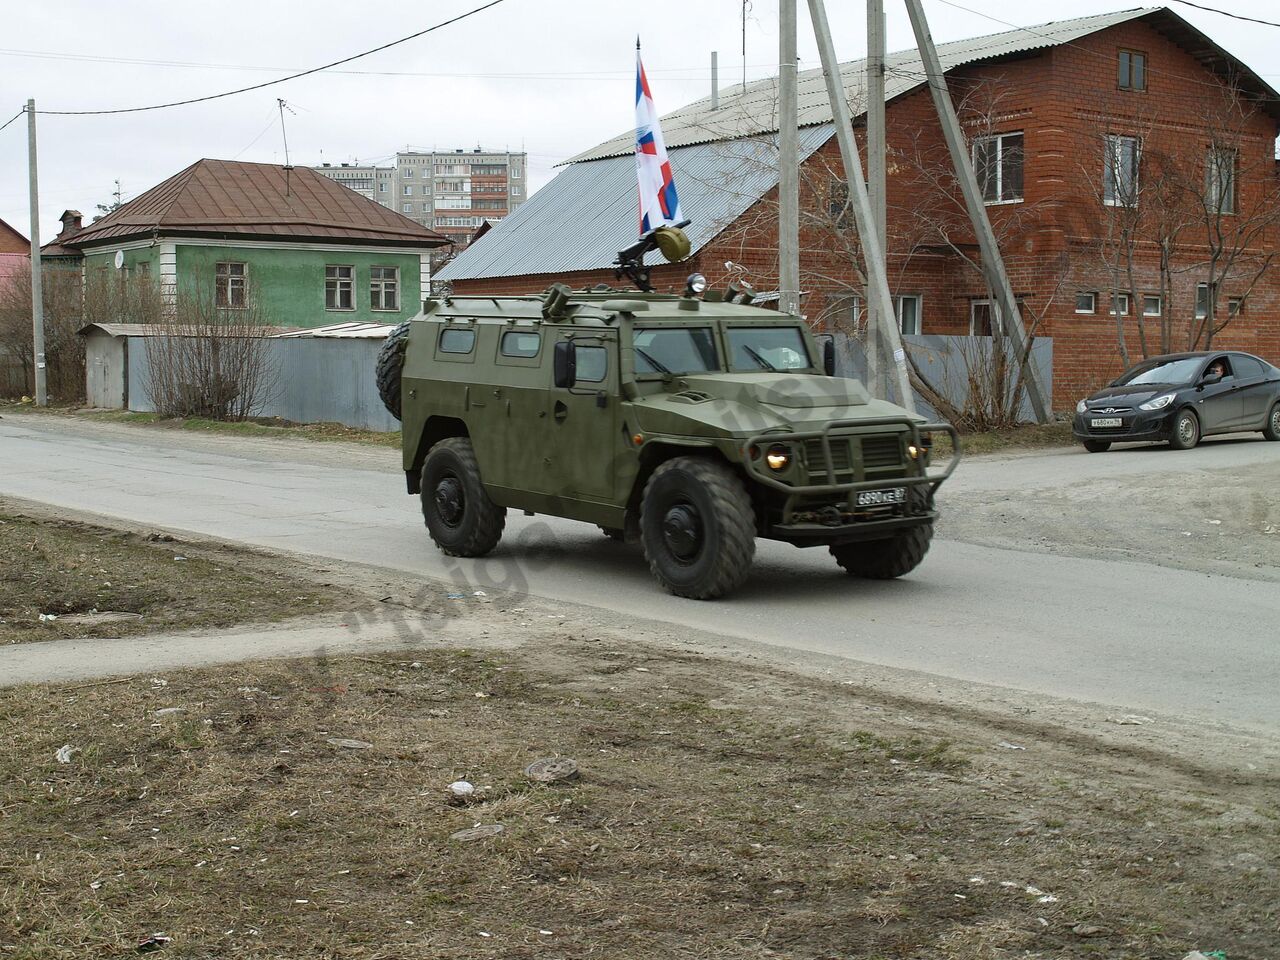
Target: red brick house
x: 11, y: 241
x: 1129, y: 166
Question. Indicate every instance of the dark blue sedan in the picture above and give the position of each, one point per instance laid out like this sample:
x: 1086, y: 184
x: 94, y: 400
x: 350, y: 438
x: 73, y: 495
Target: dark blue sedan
x: 1181, y: 398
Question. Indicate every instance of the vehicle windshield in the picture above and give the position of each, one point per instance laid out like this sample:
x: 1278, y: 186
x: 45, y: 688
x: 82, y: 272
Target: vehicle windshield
x: 1163, y: 371
x: 675, y: 350
x: 767, y: 348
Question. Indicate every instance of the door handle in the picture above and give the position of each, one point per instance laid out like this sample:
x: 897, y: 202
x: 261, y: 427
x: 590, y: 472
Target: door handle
x: 560, y: 411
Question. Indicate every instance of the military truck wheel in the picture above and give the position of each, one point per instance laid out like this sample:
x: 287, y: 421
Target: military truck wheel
x: 390, y: 363
x: 885, y: 559
x: 460, y: 517
x: 697, y: 527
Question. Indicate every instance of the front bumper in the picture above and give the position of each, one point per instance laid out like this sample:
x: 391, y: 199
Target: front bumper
x: 808, y: 513
x: 1134, y: 425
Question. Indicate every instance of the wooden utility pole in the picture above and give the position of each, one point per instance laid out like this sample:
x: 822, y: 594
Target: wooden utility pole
x: 878, y: 295
x: 37, y: 286
x: 788, y: 164
x: 877, y: 147
x: 993, y: 269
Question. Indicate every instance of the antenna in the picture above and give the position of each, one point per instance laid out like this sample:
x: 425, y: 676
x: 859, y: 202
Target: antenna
x: 283, y: 133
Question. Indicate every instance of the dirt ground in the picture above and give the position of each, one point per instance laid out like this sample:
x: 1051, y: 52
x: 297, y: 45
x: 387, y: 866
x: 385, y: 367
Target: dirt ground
x: 87, y: 581
x: 723, y: 809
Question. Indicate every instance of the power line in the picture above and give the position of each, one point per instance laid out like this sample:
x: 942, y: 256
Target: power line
x: 13, y: 118
x: 270, y: 83
x: 1228, y: 13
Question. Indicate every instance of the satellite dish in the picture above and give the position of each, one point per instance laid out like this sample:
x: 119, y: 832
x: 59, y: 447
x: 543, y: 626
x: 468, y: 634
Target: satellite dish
x: 119, y: 259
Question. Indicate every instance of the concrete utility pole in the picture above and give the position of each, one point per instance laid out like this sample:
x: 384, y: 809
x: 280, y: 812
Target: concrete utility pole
x: 37, y: 287
x: 992, y: 262
x: 877, y: 281
x: 788, y: 164
x: 877, y: 148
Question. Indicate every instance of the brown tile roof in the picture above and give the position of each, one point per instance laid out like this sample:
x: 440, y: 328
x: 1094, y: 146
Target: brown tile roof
x: 230, y: 199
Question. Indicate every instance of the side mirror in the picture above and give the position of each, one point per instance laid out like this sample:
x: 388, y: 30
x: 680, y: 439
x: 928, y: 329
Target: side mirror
x: 1209, y: 379
x: 565, y: 363
x: 828, y: 355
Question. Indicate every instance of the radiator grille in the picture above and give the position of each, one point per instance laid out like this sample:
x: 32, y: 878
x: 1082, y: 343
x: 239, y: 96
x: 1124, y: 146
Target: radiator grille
x: 878, y: 453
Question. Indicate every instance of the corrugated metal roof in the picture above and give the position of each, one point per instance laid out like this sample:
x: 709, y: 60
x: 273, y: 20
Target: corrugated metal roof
x: 587, y: 213
x: 163, y: 330
x: 755, y: 110
x: 261, y: 200
x: 354, y: 330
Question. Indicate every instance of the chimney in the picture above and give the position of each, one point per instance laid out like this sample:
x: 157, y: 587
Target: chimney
x: 715, y: 80
x: 71, y: 223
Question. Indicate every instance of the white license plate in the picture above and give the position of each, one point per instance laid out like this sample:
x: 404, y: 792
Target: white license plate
x: 879, y: 498
x: 1106, y: 422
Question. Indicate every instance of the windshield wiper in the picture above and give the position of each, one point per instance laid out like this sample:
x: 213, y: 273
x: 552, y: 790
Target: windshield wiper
x: 657, y: 365
x: 759, y: 359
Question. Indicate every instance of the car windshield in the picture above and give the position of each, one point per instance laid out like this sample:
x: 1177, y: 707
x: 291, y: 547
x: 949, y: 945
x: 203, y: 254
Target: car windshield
x: 675, y: 350
x: 767, y: 348
x: 1163, y: 371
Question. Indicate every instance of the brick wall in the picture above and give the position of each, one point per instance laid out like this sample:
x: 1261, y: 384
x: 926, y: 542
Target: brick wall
x: 1063, y: 100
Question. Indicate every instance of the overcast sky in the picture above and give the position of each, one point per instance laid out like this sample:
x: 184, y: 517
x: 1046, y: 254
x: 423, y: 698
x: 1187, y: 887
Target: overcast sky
x: 551, y: 77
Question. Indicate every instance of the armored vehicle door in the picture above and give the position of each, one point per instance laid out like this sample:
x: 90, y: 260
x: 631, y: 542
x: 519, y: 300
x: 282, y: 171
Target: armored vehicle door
x: 580, y: 434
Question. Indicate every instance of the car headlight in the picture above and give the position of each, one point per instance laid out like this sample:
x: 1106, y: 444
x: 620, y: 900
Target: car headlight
x: 778, y: 457
x: 1081, y: 407
x: 1157, y: 403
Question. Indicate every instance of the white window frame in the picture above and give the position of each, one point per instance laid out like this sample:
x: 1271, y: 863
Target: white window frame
x: 406, y: 190
x: 1202, y: 311
x: 1125, y: 305
x: 336, y: 283
x: 1112, y: 145
x: 380, y: 287
x: 897, y: 309
x: 1093, y: 302
x: 995, y: 316
x: 228, y: 302
x: 1146, y: 298
x: 998, y: 139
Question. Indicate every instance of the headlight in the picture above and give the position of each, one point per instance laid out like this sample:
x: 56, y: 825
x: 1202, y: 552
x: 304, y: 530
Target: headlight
x: 1157, y: 403
x: 1081, y: 407
x: 696, y: 285
x: 778, y: 457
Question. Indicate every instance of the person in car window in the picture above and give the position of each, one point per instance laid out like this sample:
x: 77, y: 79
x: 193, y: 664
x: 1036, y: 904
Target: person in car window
x: 1217, y: 369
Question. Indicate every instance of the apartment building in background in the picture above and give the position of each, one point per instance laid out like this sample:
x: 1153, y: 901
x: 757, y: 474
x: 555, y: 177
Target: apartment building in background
x: 453, y: 192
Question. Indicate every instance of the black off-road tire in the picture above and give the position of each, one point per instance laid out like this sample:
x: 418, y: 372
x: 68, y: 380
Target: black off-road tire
x: 885, y: 559
x: 1097, y: 446
x: 1272, y: 430
x: 1181, y: 435
x: 390, y: 363
x: 726, y: 543
x: 460, y: 517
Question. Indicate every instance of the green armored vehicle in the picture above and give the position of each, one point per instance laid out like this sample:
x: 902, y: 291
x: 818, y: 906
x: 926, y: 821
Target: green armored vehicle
x: 693, y: 424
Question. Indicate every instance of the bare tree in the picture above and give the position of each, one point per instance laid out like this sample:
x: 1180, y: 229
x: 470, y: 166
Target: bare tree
x: 211, y: 360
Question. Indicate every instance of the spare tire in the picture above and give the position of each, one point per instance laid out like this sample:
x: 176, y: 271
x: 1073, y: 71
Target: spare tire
x: 390, y: 363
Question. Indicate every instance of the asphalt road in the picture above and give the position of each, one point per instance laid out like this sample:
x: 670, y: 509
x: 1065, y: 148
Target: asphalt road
x: 1136, y: 636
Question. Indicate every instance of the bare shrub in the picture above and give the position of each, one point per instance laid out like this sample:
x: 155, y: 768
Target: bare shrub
x: 63, y: 349
x: 210, y: 361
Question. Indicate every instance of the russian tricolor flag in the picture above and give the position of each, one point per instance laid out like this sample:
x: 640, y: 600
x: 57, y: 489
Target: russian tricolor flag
x: 659, y: 204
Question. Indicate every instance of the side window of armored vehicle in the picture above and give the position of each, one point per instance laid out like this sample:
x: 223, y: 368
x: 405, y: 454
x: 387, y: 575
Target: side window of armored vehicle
x: 457, y: 340
x: 593, y: 364
x: 520, y: 343
x: 675, y: 350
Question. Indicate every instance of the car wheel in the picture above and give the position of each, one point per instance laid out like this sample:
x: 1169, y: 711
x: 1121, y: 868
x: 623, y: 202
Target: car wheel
x: 1186, y: 430
x: 1272, y: 430
x: 885, y: 559
x: 697, y: 527
x: 460, y: 517
x: 1097, y: 446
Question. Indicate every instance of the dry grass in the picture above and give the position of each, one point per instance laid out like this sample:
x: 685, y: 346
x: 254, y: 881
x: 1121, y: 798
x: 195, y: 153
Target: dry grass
x: 699, y: 827
x: 1030, y: 436
x: 64, y: 567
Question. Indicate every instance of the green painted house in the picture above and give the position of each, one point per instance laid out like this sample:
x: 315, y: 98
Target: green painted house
x: 302, y: 249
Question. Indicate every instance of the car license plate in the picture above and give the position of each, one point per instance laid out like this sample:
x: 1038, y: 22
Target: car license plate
x: 879, y: 498
x: 1106, y: 422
